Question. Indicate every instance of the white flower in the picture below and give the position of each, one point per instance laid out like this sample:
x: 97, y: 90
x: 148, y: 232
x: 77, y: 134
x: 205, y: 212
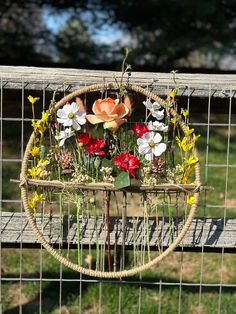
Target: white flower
x: 69, y: 115
x: 151, y: 106
x: 150, y: 146
x: 154, y: 109
x: 63, y: 135
x: 157, y: 126
x: 159, y: 115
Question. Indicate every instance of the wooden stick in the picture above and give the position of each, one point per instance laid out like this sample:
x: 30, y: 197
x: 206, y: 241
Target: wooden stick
x: 191, y: 188
x: 107, y: 209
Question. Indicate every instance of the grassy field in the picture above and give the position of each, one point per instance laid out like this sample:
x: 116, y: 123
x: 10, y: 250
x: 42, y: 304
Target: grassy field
x: 131, y: 297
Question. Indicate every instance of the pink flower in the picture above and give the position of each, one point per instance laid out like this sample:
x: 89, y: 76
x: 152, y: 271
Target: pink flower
x: 54, y: 125
x: 128, y: 162
x: 80, y: 104
x: 95, y: 146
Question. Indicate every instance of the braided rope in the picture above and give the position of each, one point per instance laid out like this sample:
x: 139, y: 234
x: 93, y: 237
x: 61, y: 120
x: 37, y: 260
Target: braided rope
x: 39, y: 235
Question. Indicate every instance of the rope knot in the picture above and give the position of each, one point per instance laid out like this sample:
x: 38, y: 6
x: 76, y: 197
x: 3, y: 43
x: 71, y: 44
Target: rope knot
x: 197, y: 188
x: 23, y: 181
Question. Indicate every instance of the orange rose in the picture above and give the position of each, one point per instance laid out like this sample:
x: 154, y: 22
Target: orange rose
x: 110, y: 112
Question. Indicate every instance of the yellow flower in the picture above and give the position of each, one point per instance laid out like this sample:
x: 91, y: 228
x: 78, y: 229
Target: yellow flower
x: 190, y: 200
x: 191, y: 160
x: 185, y: 144
x: 188, y: 131
x: 32, y: 99
x: 184, y: 179
x: 34, y: 172
x: 35, y: 151
x: 184, y: 112
x: 32, y: 202
x: 172, y: 93
x: 195, y: 137
x: 45, y: 115
x: 40, y: 170
x: 38, y: 126
x: 36, y: 140
x: 43, y: 163
x: 173, y: 120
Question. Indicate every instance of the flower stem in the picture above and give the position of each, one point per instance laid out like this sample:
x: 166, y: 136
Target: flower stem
x: 124, y: 216
x: 96, y: 232
x: 107, y: 208
x: 60, y: 207
x: 107, y: 142
x: 33, y: 111
x: 68, y: 231
x: 78, y: 207
x: 60, y: 214
x: 147, y: 229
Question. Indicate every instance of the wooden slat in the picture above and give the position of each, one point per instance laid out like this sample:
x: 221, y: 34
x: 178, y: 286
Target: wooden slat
x: 33, y: 77
x: 209, y: 232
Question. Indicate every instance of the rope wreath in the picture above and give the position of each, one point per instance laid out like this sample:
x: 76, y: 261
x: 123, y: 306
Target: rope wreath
x: 24, y: 183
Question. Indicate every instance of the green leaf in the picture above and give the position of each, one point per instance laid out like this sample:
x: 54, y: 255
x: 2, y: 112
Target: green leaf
x: 136, y: 182
x: 97, y: 162
x: 122, y: 180
x: 107, y: 163
x: 42, y: 151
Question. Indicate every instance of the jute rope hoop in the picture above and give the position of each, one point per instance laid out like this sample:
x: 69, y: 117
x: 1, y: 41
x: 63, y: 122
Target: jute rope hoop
x: 38, y: 233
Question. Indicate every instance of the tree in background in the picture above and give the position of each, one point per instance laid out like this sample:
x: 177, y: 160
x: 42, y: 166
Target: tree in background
x: 164, y: 34
x: 169, y: 33
x: 23, y: 34
x: 73, y: 43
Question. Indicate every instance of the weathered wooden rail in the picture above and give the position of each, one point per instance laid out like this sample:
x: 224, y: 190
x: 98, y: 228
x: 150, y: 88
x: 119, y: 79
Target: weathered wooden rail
x: 217, y: 85
x: 210, y: 234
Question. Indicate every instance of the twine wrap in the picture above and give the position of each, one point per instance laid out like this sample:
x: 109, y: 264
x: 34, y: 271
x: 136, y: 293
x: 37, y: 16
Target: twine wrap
x: 24, y: 188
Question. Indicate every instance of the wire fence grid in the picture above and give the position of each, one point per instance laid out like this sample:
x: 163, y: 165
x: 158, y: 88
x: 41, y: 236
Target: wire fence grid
x: 28, y: 276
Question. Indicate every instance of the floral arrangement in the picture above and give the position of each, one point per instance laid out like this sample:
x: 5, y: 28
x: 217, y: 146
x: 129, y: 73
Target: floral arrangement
x: 107, y: 147
x: 116, y: 142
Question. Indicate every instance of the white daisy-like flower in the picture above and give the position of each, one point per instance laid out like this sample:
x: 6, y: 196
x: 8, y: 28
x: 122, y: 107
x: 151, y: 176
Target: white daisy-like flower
x: 69, y: 115
x: 63, y: 135
x: 154, y: 109
x: 159, y: 115
x: 149, y: 145
x: 157, y: 126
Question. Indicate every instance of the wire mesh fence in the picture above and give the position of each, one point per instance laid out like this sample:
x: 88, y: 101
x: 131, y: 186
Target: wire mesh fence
x: 199, y: 282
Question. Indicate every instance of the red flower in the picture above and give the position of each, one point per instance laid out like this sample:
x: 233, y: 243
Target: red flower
x: 83, y: 138
x: 127, y: 162
x: 139, y: 129
x: 94, y: 146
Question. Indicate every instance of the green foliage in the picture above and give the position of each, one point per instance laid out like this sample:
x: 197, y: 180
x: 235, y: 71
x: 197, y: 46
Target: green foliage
x: 162, y: 34
x: 23, y: 35
x: 122, y: 180
x: 107, y: 163
x: 74, y: 43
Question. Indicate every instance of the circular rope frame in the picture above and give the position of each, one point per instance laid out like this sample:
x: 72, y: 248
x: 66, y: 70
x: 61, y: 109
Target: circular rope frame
x: 38, y: 233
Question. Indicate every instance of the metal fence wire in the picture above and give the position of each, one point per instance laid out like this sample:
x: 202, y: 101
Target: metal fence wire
x: 191, y: 280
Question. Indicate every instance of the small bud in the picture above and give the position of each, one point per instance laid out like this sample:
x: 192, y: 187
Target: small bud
x: 97, y: 162
x: 92, y: 200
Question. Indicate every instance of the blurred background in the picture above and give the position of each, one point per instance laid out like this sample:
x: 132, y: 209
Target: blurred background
x: 164, y: 35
